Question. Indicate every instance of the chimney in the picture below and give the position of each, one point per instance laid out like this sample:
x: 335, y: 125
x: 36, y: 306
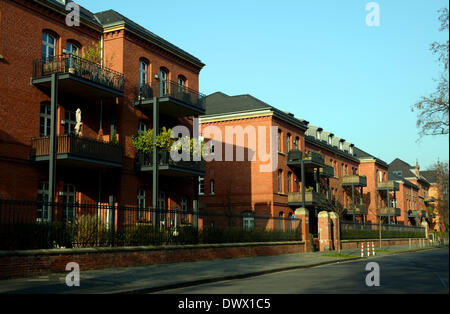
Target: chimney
x: 417, y: 168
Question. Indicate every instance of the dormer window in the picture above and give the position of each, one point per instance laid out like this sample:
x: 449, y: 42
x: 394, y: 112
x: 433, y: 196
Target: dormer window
x: 318, y: 133
x: 330, y: 139
x: 341, y: 145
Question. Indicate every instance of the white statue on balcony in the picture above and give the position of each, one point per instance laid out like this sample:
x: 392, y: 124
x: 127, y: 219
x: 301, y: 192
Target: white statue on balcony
x: 79, y: 124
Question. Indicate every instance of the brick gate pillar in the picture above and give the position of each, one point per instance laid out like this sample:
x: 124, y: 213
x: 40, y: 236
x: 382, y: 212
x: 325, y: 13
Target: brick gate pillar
x: 334, y: 219
x: 324, y: 231
x: 302, y: 218
x: 425, y: 225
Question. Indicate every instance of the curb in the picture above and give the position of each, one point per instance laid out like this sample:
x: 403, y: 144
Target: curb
x: 191, y: 283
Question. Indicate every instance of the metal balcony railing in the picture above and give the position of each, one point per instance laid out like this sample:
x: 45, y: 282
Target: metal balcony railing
x: 78, y: 146
x: 146, y: 160
x: 72, y: 64
x: 173, y: 90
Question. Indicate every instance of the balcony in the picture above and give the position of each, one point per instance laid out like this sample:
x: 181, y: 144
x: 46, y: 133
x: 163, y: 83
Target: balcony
x: 167, y: 166
x: 174, y: 99
x: 327, y: 171
x: 389, y: 186
x: 311, y: 161
x: 389, y: 211
x: 360, y: 209
x: 355, y: 180
x: 77, y: 77
x: 78, y: 151
x: 417, y: 213
x: 311, y: 198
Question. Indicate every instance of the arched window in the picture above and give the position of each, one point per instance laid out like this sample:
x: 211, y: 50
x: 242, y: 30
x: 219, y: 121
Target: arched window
x: 73, y: 48
x: 48, y: 46
x: 181, y: 83
x: 288, y: 142
x: 280, y: 181
x: 143, y: 72
x: 279, y: 140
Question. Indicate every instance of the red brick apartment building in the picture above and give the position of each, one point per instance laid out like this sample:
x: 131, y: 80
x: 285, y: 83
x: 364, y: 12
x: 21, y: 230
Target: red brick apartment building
x: 335, y: 172
x: 141, y: 82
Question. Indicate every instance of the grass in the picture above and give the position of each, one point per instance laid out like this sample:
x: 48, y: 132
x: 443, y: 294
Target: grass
x: 339, y: 255
x: 383, y: 251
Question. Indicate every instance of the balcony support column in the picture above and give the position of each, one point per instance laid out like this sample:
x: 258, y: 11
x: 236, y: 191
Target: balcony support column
x: 303, y: 184
x: 53, y: 146
x: 155, y: 173
x: 389, y: 211
x: 353, y: 203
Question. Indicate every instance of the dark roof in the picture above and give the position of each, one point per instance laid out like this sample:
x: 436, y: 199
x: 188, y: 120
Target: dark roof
x: 362, y: 154
x: 219, y: 103
x: 111, y: 18
x: 392, y: 176
x: 429, y: 175
x: 398, y: 165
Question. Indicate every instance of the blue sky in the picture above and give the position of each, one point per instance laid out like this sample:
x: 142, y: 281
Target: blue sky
x: 316, y: 59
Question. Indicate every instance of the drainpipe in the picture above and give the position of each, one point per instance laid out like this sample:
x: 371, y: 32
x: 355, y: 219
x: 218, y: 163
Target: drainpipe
x: 53, y: 146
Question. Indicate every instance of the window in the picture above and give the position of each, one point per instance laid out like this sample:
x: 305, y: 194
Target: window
x: 162, y: 207
x: 398, y: 173
x: 351, y: 150
x: 330, y: 139
x: 288, y: 142
x: 280, y: 182
x: 48, y: 46
x: 346, y: 171
x: 181, y: 83
x: 184, y: 210
x: 318, y: 133
x: 296, y: 142
x: 68, y: 200
x: 289, y: 222
x: 43, y: 207
x: 201, y: 185
x: 143, y: 72
x: 280, y: 215
x: 212, y: 186
x: 279, y: 141
x: 380, y: 176
x: 297, y: 185
x: 289, y: 181
x: 163, y: 77
x: 248, y: 221
x: 45, y: 119
x: 141, y: 203
x: 73, y: 49
x: 341, y: 145
x: 142, y: 128
x: 70, y: 122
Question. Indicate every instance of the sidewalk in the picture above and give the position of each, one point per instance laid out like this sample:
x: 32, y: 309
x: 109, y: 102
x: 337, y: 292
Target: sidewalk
x: 159, y: 277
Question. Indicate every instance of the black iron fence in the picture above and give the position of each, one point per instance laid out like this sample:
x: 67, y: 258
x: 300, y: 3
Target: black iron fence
x: 354, y: 231
x: 42, y: 225
x: 171, y: 89
x: 72, y: 64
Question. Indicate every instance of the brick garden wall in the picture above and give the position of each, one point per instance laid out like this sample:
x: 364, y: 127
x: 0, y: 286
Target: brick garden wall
x: 42, y: 262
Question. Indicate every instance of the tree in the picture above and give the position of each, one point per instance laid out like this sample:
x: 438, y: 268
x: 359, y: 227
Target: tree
x: 433, y: 110
x: 442, y: 202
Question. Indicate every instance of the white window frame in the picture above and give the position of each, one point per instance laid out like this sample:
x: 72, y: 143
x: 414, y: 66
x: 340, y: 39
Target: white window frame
x: 45, y: 120
x: 201, y: 185
x: 43, y: 192
x: 141, y: 203
x: 69, y: 122
x: 69, y: 191
x: 47, y: 45
x: 142, y: 128
x: 248, y: 221
x: 143, y: 72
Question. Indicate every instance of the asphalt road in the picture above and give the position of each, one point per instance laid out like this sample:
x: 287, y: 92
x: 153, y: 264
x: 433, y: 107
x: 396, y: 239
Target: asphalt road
x: 415, y: 272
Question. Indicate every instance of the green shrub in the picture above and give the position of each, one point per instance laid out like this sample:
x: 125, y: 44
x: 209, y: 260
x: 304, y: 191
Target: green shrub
x: 89, y: 231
